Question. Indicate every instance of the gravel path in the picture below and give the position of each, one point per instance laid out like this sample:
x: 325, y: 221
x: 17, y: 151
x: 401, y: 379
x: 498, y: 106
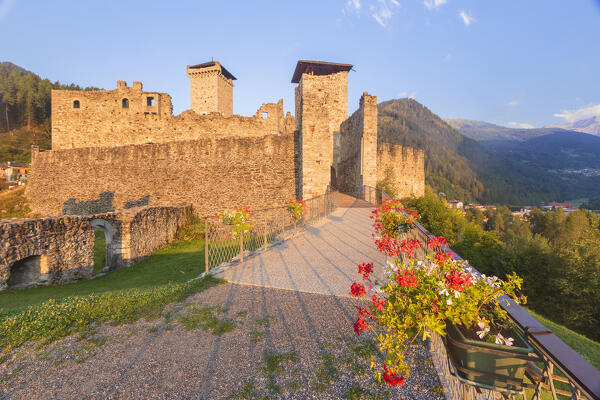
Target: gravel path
x: 281, y: 329
x: 259, y: 343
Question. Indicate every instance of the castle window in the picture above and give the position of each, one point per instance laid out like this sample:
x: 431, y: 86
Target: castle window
x: 125, y: 103
x: 76, y: 104
x: 265, y: 115
x: 150, y: 101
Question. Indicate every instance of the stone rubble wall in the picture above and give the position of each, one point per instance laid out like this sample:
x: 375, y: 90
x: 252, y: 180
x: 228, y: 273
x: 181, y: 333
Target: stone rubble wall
x: 211, y: 174
x: 101, y: 121
x: 357, y: 149
x: 403, y: 167
x: 66, y: 244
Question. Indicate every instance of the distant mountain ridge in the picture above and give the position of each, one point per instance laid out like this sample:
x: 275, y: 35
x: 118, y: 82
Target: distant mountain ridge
x: 590, y: 125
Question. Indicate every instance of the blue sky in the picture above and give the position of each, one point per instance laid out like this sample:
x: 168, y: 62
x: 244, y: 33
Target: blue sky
x: 511, y: 62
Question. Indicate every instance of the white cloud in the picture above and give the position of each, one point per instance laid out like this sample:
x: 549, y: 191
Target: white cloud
x: 579, y: 113
x: 466, y: 17
x: 431, y: 4
x: 448, y: 57
x: 520, y: 125
x: 383, y: 11
x: 353, y: 5
x: 5, y: 7
x: 513, y: 103
x: 411, y: 95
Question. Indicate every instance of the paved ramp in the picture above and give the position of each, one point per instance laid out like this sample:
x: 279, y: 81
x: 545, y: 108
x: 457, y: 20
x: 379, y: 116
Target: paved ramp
x: 321, y: 260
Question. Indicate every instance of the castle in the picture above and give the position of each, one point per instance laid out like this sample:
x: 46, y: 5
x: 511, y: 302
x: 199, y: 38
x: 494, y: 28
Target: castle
x: 117, y: 149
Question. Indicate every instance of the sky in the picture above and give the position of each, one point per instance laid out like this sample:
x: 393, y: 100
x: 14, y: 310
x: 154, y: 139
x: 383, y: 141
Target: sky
x: 520, y: 63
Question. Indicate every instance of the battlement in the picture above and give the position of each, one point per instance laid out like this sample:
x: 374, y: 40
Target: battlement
x: 403, y: 168
x: 211, y: 88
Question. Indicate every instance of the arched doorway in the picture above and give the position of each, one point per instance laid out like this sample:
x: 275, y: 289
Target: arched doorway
x: 103, y: 243
x: 28, y: 272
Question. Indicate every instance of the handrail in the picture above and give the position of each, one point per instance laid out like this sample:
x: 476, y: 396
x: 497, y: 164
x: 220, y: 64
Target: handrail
x: 580, y: 373
x: 270, y: 225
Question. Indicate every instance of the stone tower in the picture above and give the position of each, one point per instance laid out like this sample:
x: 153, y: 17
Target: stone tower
x: 321, y: 107
x: 211, y: 88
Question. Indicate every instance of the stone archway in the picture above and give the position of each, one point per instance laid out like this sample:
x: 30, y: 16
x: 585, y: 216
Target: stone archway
x: 28, y: 272
x: 108, y: 230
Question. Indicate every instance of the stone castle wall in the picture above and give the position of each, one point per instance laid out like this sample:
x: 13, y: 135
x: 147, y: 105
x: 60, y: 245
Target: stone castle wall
x: 403, y: 168
x: 321, y: 107
x: 211, y: 174
x: 101, y: 120
x: 357, y: 148
x: 57, y: 250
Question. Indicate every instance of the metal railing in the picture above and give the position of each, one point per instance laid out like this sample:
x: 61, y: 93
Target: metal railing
x: 562, y: 372
x: 269, y: 226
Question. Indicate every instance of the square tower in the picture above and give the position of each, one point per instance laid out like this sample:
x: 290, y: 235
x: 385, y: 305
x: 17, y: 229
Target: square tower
x: 321, y: 107
x: 211, y: 88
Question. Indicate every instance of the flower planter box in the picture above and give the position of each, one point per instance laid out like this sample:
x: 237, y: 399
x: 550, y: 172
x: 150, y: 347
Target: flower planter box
x: 489, y: 365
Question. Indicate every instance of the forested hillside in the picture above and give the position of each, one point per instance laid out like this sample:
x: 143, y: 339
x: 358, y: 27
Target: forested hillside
x: 24, y: 111
x: 461, y: 167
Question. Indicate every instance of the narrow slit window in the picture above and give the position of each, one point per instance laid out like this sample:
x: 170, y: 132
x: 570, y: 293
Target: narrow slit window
x: 150, y: 101
x: 125, y: 103
x: 76, y: 104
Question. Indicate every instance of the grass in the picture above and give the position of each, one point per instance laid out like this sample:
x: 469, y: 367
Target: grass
x: 13, y: 204
x: 205, y: 318
x: 142, y: 290
x: 99, y: 251
x: 589, y: 349
x: 174, y: 263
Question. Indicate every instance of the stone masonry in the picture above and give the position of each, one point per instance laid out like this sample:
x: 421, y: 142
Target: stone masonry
x: 403, y: 167
x: 116, y: 149
x: 357, y: 145
x: 57, y: 250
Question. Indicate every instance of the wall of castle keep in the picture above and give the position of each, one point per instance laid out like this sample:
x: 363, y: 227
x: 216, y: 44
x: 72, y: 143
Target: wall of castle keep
x: 321, y: 107
x: 57, y: 250
x: 403, y: 167
x: 101, y: 120
x: 210, y: 91
x: 211, y: 174
x: 356, y: 152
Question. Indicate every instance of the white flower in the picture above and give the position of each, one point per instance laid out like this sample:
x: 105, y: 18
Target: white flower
x: 509, y: 341
x: 449, y: 301
x: 443, y: 289
x: 456, y: 294
x: 377, y: 288
x: 484, y: 330
x: 499, y: 338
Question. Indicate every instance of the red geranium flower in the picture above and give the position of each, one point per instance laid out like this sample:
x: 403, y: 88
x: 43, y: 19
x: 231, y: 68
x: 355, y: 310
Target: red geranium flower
x: 457, y: 280
x: 437, y: 242
x: 410, y: 246
x: 378, y: 303
x: 408, y: 279
x: 365, y: 269
x: 391, y: 378
x: 441, y: 257
x: 357, y: 289
x: 360, y: 325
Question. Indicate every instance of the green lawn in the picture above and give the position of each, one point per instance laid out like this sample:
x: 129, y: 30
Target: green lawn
x: 589, y: 349
x: 177, y: 262
x: 99, y: 251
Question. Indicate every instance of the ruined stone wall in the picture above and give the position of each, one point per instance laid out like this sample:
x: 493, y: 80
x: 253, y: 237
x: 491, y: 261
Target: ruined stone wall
x: 101, y: 121
x: 57, y: 250
x: 321, y: 106
x: 403, y: 168
x: 212, y: 174
x: 64, y: 245
x: 357, y: 149
x: 149, y: 228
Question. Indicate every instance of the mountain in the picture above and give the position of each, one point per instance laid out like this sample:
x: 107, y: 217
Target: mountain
x: 590, y: 125
x: 486, y: 132
x: 462, y: 167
